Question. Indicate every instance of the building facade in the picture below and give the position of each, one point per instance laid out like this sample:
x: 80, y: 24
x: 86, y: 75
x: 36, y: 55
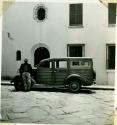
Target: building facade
x: 38, y: 30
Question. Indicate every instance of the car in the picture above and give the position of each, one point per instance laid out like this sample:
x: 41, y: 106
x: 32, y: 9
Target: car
x: 69, y: 72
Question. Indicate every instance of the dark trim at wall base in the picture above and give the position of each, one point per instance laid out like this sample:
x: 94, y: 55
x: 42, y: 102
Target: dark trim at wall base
x: 6, y: 78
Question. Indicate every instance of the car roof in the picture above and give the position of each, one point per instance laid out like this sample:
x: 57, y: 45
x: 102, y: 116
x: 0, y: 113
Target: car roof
x: 66, y: 58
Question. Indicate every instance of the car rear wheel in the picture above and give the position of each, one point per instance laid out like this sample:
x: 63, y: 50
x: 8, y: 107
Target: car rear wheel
x: 74, y: 85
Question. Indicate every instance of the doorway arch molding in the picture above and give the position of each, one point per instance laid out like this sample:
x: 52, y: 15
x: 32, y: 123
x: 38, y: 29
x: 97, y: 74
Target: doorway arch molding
x: 35, y: 47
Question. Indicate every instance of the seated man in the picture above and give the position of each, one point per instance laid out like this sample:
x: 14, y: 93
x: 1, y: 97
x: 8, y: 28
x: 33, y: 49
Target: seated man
x: 25, y: 72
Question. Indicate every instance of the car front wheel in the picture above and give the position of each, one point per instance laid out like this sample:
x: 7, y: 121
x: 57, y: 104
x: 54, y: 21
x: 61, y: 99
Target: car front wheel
x: 74, y: 85
x: 18, y: 86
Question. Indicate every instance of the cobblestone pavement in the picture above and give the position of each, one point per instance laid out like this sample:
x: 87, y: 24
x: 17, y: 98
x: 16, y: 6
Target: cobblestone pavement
x: 57, y: 106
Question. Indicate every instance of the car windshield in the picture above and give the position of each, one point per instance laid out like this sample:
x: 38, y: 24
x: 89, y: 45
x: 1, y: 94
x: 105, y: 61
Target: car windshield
x: 46, y: 64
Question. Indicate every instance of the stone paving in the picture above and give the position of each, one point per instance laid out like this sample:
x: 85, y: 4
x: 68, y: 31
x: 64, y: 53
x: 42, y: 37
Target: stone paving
x: 57, y: 106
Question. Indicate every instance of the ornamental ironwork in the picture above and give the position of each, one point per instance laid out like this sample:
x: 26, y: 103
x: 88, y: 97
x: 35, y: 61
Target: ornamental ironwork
x: 40, y: 13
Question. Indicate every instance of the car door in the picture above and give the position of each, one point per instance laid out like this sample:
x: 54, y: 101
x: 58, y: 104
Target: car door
x: 45, y: 73
x: 60, y: 71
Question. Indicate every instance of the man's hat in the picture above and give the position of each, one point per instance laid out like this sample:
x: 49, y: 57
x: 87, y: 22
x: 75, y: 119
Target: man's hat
x: 25, y: 60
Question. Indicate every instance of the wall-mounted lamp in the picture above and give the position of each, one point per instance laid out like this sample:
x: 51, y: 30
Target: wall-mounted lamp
x: 9, y: 36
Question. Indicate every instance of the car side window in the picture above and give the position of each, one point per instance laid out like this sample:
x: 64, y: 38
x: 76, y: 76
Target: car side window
x: 80, y: 63
x: 61, y: 64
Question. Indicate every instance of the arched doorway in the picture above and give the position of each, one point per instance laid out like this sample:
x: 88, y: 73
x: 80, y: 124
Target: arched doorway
x: 39, y: 54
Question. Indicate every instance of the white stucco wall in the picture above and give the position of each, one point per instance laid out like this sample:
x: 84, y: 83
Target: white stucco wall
x: 55, y: 34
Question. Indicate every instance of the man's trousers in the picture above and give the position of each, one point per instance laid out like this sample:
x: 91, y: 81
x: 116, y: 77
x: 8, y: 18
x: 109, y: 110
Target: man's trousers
x: 26, y: 77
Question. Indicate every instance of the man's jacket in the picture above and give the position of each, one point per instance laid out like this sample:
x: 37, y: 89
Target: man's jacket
x: 25, y: 67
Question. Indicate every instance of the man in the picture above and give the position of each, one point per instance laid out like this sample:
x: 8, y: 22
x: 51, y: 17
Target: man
x: 25, y: 72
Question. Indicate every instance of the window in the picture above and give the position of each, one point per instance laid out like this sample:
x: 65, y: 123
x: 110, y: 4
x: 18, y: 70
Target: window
x: 18, y: 55
x: 111, y: 56
x: 61, y: 64
x: 46, y: 64
x: 80, y: 64
x: 111, y: 13
x: 75, y: 50
x: 76, y: 17
x: 40, y: 13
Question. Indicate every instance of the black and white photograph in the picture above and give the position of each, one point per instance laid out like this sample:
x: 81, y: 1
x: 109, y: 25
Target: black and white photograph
x: 58, y: 62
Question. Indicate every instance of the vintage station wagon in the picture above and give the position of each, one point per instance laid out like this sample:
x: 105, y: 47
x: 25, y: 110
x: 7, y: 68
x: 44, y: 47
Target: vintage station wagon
x: 70, y: 72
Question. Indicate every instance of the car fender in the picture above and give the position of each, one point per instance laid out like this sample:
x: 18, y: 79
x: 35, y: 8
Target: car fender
x: 74, y: 76
x: 16, y: 79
